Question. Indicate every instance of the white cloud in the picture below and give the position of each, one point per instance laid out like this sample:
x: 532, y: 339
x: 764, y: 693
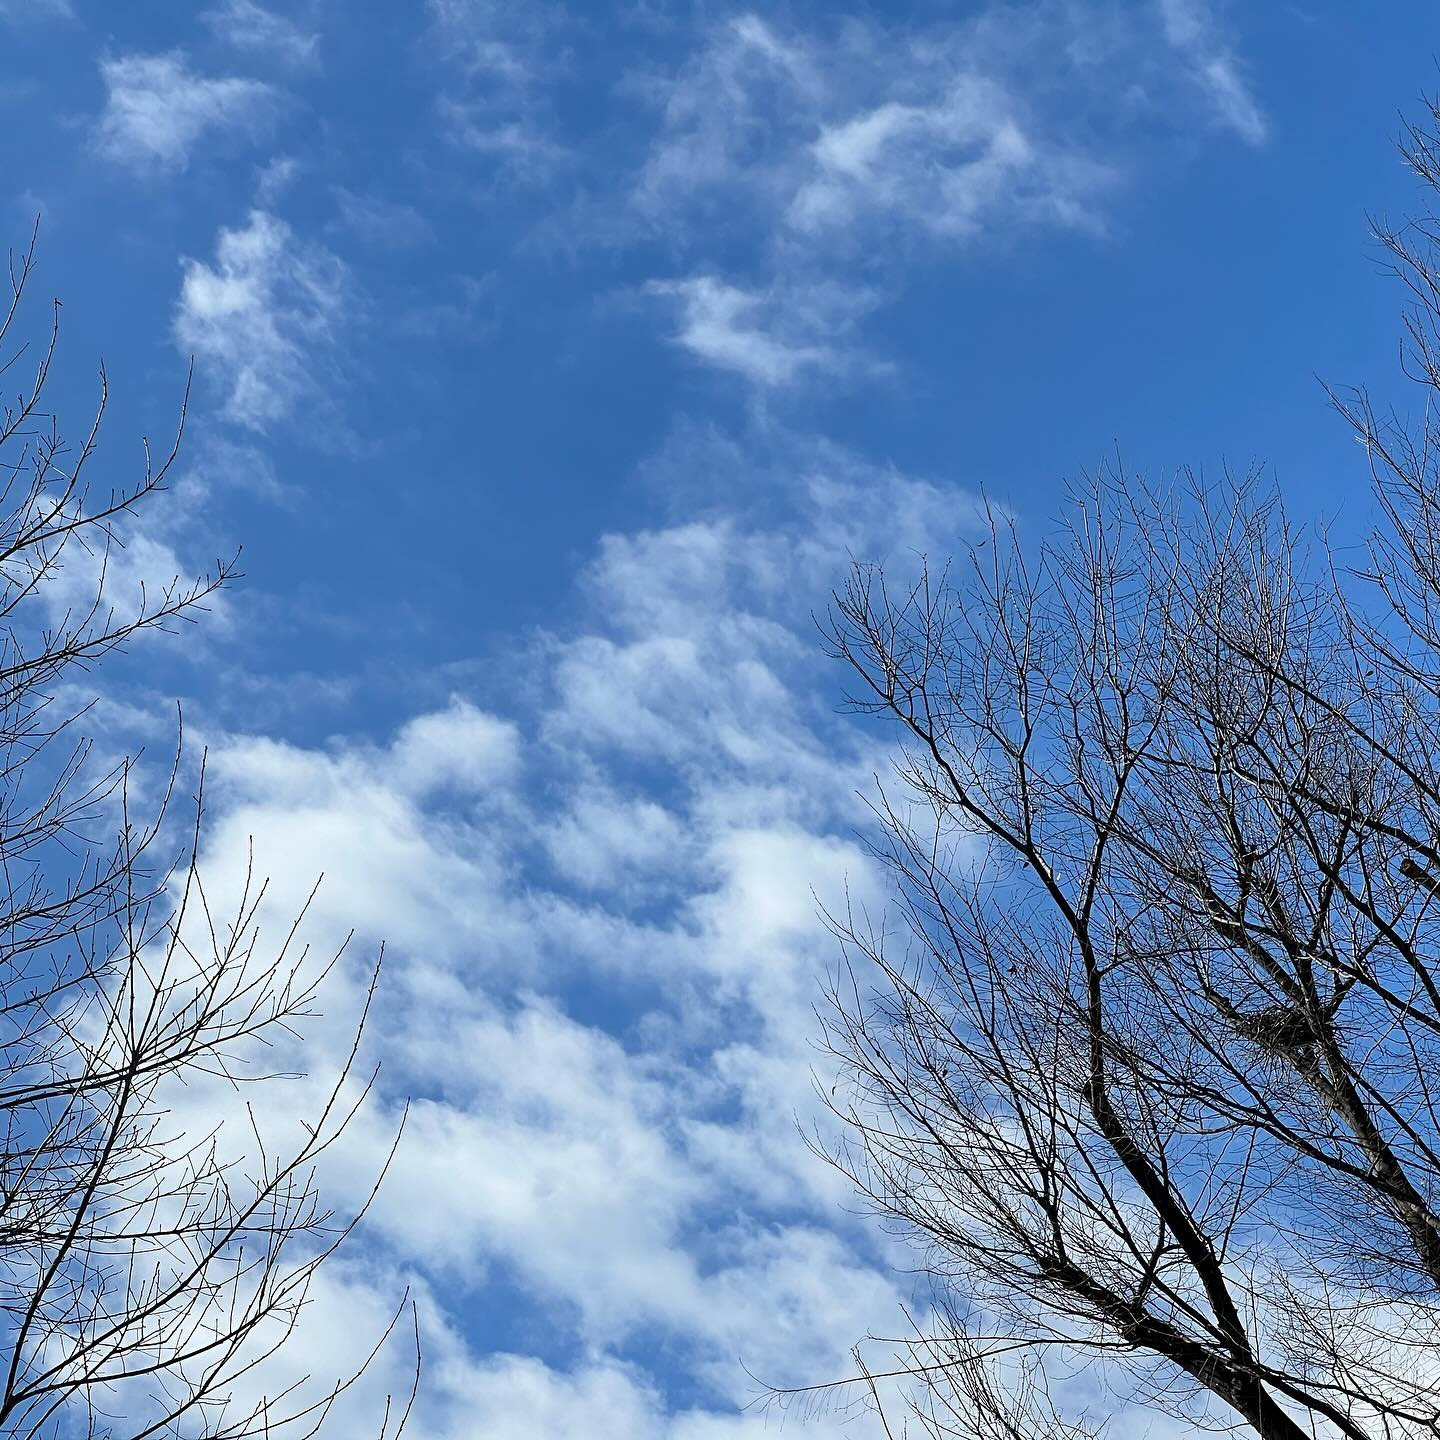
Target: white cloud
x: 385, y: 224
x: 770, y: 337
x: 720, y: 116
x: 506, y: 56
x: 461, y: 750
x: 653, y: 825
x: 517, y: 47
x: 274, y: 178
x: 158, y: 109
x: 947, y: 167
x: 493, y: 38
x: 520, y: 146
x: 835, y: 140
x: 1191, y: 28
x: 937, y: 132
x: 517, y: 1397
x: 262, y: 315
x: 817, y: 149
x: 246, y: 25
x: 138, y: 570
x: 825, y: 153
x: 606, y: 839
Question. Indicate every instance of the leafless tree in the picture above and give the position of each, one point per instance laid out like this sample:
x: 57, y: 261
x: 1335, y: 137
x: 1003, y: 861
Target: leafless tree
x: 1150, y: 1072
x: 147, y: 1272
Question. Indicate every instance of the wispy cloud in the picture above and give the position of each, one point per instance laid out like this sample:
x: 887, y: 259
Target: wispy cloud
x: 246, y: 25
x: 728, y: 115
x: 490, y: 37
x: 841, y: 136
x: 262, y: 314
x: 770, y: 337
x: 813, y: 150
x: 157, y: 109
x: 829, y: 138
x: 385, y: 224
x: 1191, y: 28
x: 823, y: 153
x: 519, y: 146
x: 504, y: 55
x: 946, y: 167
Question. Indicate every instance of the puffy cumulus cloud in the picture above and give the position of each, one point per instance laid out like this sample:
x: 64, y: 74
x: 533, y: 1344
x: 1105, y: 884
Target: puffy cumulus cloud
x: 557, y: 1138
x: 517, y: 1397
x: 157, y: 109
x: 606, y: 837
x: 1191, y: 28
x: 461, y: 750
x: 393, y: 868
x: 264, y: 315
x: 603, y: 953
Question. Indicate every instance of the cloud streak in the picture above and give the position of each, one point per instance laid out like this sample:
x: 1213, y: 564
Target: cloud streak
x: 835, y: 139
x: 771, y: 338
x: 504, y: 56
x: 1191, y: 28
x: 158, y: 109
x: 245, y: 25
x: 262, y: 315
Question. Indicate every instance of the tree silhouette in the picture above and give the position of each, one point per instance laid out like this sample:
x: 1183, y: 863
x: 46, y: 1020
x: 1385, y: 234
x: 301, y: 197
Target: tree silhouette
x: 1150, y: 1073
x: 147, y: 1272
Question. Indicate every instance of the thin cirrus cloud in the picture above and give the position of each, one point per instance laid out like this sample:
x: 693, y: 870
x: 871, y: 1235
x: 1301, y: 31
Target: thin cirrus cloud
x: 504, y: 42
x: 771, y: 338
x: 494, y: 101
x: 245, y: 25
x: 384, y: 224
x: 828, y: 138
x: 158, y: 109
x: 815, y: 147
x: 944, y: 167
x: 824, y: 145
x: 262, y: 316
x: 516, y: 144
x: 1190, y: 27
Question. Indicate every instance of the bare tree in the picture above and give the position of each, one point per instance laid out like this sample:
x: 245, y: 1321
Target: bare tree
x: 147, y: 1271
x: 1150, y: 1072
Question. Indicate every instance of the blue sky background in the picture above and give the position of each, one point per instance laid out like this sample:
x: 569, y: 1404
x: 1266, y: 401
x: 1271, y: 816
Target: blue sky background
x: 550, y: 361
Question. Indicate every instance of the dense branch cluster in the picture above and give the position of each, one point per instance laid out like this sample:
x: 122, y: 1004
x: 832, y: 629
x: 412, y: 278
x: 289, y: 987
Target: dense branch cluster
x: 1151, y: 1072
x: 147, y: 1271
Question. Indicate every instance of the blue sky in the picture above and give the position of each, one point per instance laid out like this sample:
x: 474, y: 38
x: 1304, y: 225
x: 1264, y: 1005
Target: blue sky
x: 550, y: 362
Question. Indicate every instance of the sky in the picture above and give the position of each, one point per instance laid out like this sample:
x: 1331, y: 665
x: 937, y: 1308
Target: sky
x: 550, y: 365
